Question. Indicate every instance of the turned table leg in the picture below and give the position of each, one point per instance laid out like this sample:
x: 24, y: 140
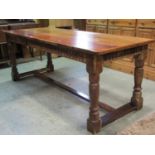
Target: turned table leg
x: 94, y: 68
x: 50, y: 66
x: 12, y: 53
x: 137, y: 99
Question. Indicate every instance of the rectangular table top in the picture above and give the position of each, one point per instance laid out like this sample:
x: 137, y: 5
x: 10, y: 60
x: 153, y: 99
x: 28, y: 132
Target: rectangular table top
x: 94, y: 43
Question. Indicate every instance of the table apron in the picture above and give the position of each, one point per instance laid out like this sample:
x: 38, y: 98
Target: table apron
x: 73, y: 53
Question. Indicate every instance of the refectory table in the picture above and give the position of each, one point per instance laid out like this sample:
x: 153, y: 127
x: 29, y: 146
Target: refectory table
x: 91, y: 48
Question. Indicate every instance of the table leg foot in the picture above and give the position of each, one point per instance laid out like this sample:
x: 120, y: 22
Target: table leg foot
x: 15, y: 74
x: 50, y: 66
x: 94, y: 126
x: 137, y: 101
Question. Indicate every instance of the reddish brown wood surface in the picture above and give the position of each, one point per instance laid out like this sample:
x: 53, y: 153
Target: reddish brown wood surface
x: 95, y: 48
x: 94, y: 43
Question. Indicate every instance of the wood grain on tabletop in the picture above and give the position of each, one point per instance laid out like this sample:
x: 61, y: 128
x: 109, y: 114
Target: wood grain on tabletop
x: 98, y: 43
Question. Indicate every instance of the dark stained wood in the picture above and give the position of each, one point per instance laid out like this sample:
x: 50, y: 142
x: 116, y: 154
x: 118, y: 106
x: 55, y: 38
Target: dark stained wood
x: 50, y: 65
x: 13, y: 25
x: 2, y: 35
x: 118, y: 113
x: 42, y: 76
x: 80, y: 24
x: 92, y: 49
x: 31, y: 73
x: 137, y: 99
x: 12, y: 52
x: 94, y: 68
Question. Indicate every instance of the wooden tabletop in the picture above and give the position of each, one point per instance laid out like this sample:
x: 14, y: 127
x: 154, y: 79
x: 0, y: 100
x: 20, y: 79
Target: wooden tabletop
x: 98, y: 43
